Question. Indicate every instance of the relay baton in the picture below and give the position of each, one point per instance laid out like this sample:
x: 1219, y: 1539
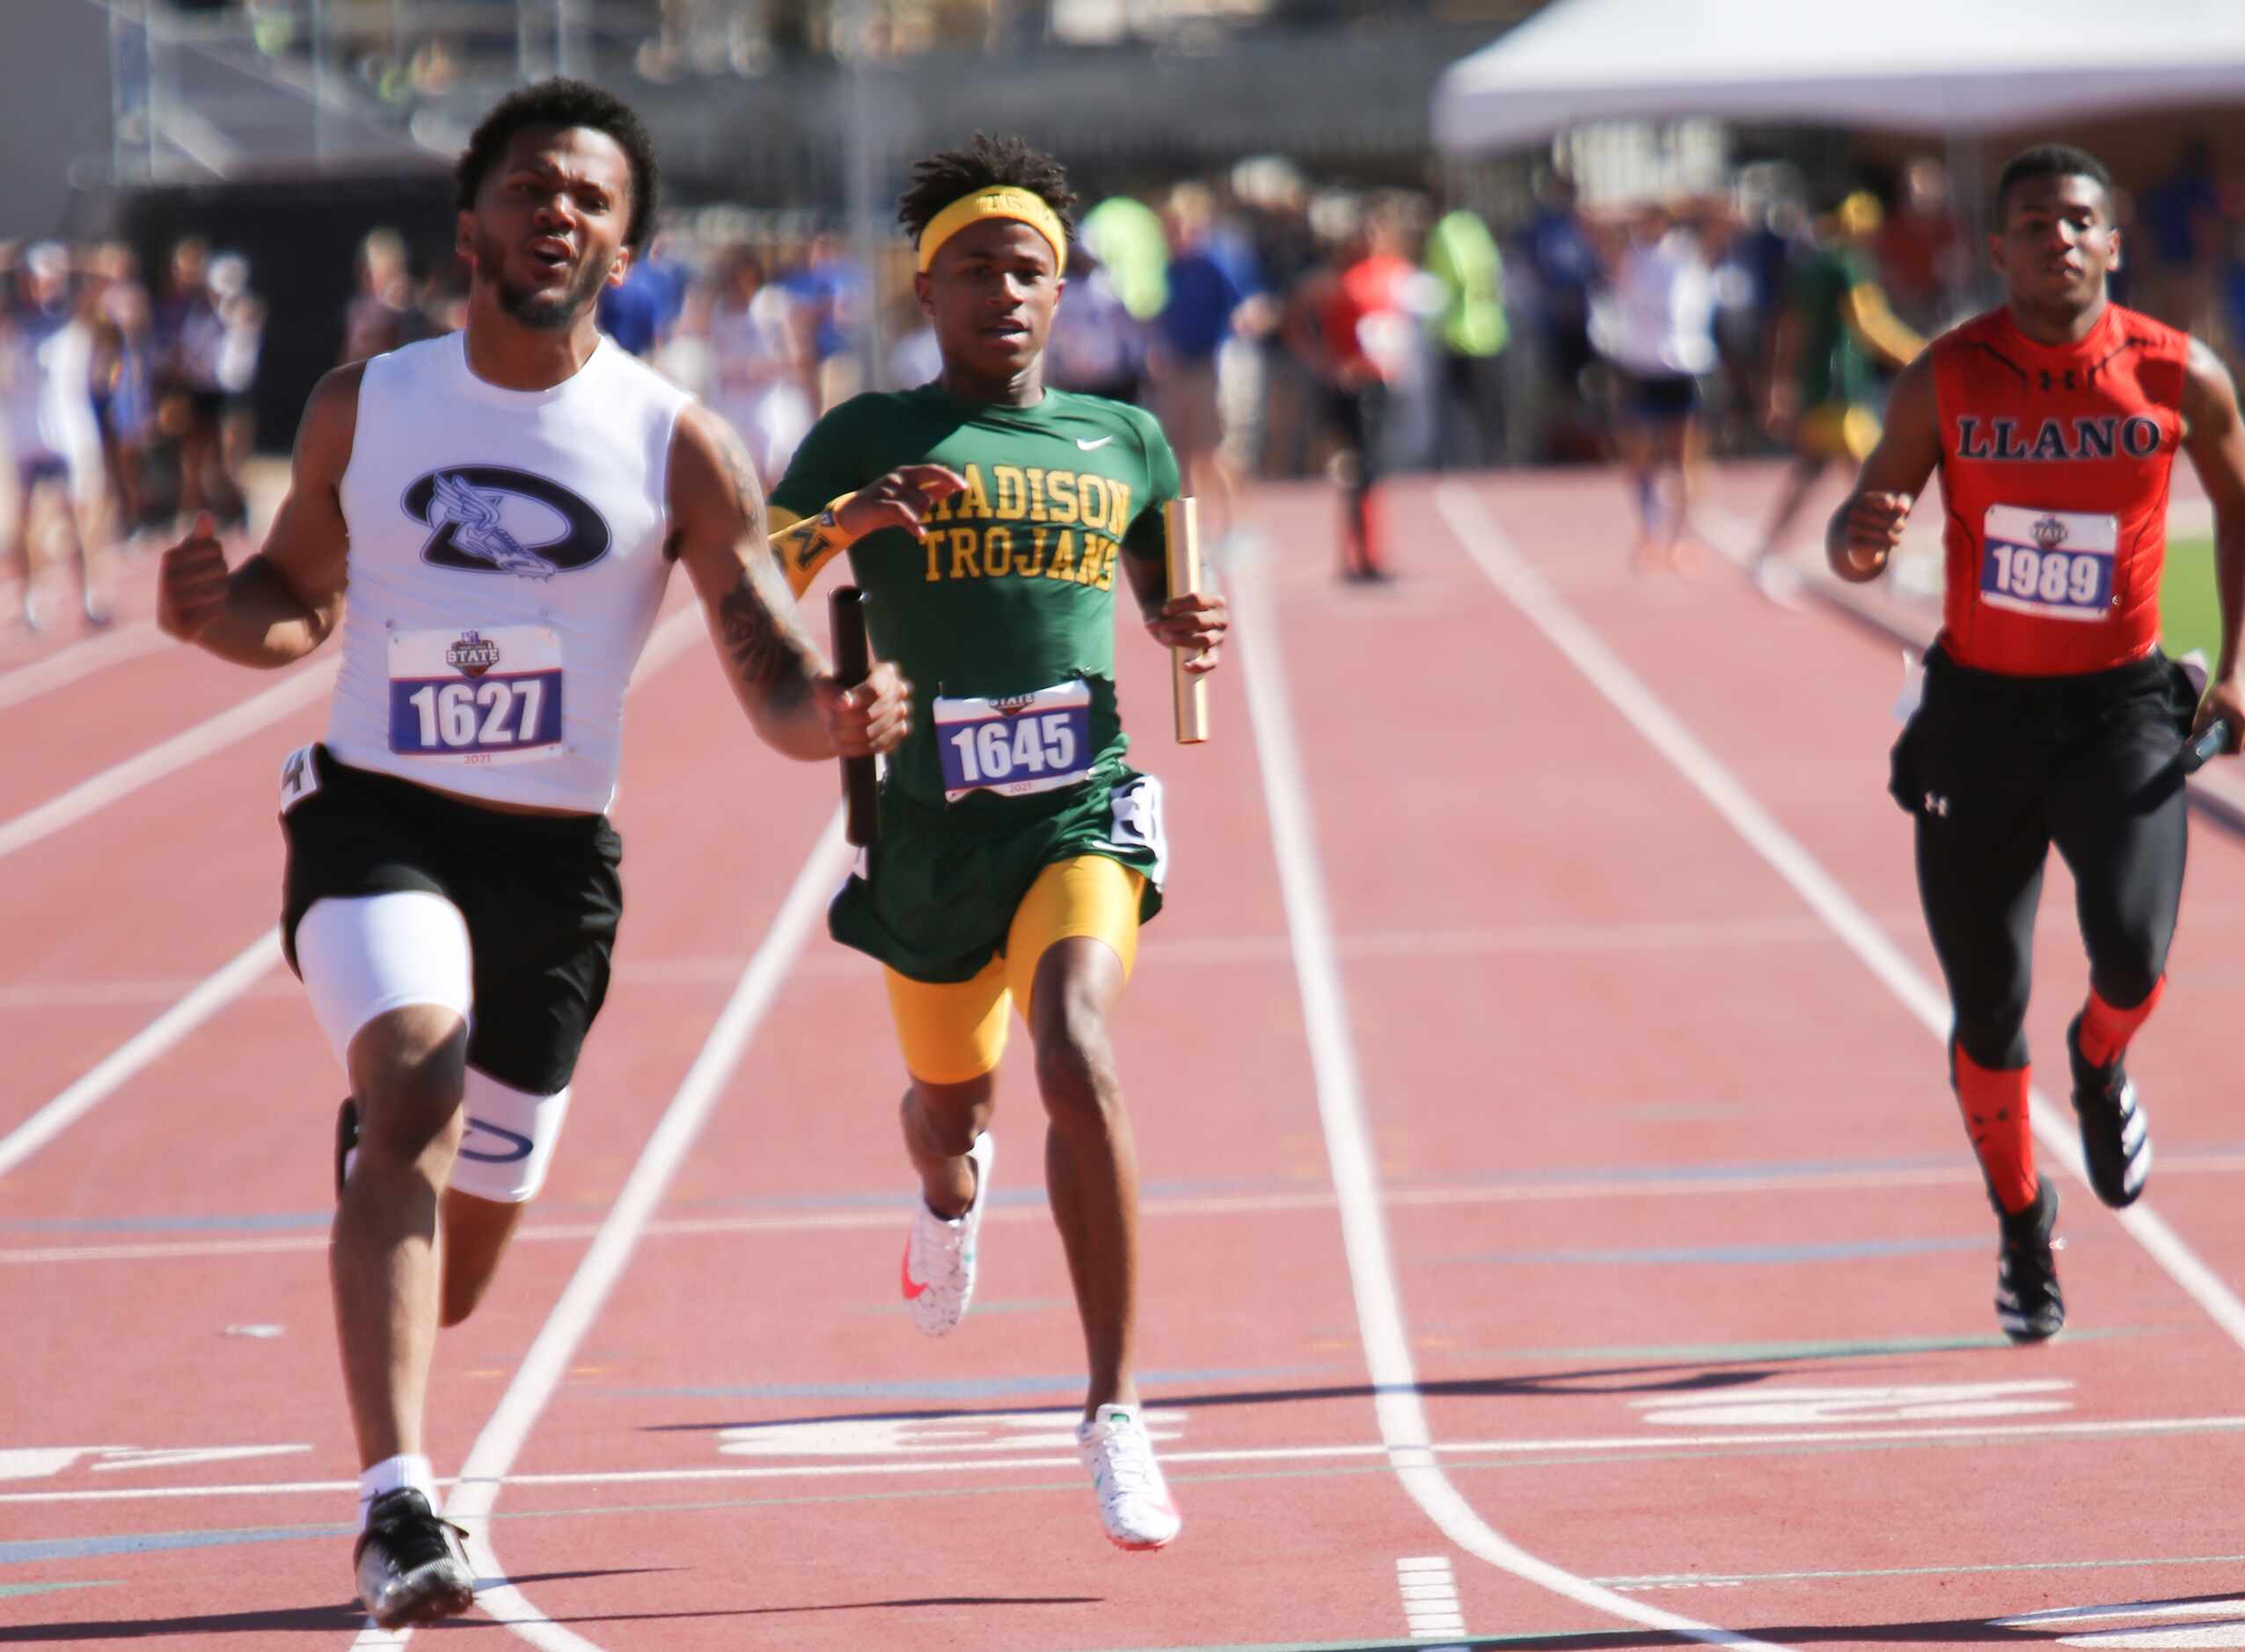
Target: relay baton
x: 2207, y: 746
x: 852, y: 660
x: 1182, y: 528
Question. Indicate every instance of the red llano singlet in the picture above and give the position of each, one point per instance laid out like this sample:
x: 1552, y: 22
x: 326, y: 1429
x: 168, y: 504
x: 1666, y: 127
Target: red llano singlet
x: 2054, y: 466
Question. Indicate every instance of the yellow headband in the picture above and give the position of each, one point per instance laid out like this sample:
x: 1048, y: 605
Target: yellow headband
x: 1019, y: 205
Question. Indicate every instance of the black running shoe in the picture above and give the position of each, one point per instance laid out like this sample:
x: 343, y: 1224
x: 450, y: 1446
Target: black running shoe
x: 410, y: 1567
x: 2028, y: 1304
x: 2116, y: 1134
x: 347, y: 1137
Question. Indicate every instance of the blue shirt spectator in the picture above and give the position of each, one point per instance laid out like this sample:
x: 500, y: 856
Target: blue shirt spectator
x: 1203, y: 295
x: 633, y: 313
x: 2177, y: 210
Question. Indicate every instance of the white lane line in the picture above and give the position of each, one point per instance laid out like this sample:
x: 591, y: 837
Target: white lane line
x: 1402, y: 1419
x: 2199, y: 1608
x: 79, y: 659
x: 228, y: 983
x: 121, y: 780
x: 230, y: 980
x: 1687, y: 1580
x: 1458, y: 1451
x: 540, y: 1373
x: 1627, y: 693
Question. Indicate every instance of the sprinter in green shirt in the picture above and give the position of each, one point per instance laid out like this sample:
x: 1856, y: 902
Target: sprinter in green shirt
x: 990, y: 522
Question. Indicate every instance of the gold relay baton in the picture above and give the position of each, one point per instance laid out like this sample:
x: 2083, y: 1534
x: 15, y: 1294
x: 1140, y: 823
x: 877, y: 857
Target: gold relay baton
x: 1182, y: 528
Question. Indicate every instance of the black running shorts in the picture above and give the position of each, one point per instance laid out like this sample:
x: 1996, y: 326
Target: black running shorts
x: 541, y: 896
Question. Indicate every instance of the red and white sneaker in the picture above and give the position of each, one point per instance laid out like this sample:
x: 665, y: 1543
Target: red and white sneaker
x: 939, y: 1256
x: 1134, y: 1503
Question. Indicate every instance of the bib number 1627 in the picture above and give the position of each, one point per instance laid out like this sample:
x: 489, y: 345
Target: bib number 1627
x: 471, y: 716
x: 477, y: 696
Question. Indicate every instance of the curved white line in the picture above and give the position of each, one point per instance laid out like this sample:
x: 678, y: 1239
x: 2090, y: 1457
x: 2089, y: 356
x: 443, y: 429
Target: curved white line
x: 1402, y: 1419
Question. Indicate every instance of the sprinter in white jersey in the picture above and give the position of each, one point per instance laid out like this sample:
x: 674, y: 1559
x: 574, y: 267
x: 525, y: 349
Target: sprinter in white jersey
x: 491, y: 517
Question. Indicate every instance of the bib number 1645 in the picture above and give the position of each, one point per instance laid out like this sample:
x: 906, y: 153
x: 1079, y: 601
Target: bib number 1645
x: 1016, y: 749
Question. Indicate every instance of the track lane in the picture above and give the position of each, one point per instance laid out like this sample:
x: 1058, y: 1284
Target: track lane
x: 1673, y: 1136
x: 1725, y: 693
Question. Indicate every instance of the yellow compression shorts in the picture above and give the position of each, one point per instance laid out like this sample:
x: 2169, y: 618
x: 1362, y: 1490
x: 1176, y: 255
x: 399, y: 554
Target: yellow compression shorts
x: 953, y: 1031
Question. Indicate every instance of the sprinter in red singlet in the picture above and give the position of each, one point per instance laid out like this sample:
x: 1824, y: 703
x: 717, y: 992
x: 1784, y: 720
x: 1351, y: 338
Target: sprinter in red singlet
x: 2049, y: 715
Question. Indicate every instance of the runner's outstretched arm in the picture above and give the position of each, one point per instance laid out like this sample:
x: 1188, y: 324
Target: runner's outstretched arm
x: 283, y: 603
x: 777, y: 672
x: 1868, y: 525
x: 2215, y: 438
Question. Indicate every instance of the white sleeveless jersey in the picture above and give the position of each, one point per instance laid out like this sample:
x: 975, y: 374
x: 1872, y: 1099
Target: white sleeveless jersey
x: 506, y: 563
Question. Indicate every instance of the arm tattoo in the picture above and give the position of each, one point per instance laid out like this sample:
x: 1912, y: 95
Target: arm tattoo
x: 741, y: 472
x: 763, y: 639
x: 771, y: 657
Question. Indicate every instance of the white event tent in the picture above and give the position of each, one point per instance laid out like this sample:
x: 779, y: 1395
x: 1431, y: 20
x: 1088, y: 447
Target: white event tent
x: 1953, y: 67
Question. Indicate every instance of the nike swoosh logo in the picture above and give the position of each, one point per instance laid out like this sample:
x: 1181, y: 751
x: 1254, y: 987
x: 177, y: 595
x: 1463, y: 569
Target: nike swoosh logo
x: 1090, y: 446
x: 911, y: 1289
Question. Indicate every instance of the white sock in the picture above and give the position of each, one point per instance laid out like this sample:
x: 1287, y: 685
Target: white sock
x: 390, y: 1474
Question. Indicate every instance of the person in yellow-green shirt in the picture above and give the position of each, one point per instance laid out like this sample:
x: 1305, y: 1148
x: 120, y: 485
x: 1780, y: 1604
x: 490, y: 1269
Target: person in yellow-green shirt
x: 1824, y: 388
x: 1472, y: 331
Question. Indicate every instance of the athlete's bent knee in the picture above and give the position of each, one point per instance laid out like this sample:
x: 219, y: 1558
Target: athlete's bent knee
x: 1075, y: 1063
x: 945, y: 1118
x: 406, y: 1082
x: 507, y: 1141
x: 2126, y: 982
x: 1995, y: 1039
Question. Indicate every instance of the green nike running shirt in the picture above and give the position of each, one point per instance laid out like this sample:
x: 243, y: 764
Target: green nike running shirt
x: 1013, y: 590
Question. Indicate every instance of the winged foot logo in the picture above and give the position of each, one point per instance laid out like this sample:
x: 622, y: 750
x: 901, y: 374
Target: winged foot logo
x: 471, y: 526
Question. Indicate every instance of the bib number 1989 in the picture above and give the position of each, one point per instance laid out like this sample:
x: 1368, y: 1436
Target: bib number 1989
x: 2050, y: 564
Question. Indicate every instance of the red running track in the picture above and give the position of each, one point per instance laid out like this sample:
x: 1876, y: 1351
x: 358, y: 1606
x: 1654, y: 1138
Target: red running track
x: 1556, y: 1234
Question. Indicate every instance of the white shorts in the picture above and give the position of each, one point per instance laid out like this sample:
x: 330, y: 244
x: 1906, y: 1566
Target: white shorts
x: 367, y: 955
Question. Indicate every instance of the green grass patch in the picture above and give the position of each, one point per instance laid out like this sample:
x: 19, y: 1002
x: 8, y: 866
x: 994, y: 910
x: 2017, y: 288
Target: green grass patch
x: 2189, y: 609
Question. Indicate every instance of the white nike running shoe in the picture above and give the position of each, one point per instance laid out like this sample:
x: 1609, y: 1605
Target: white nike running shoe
x: 939, y: 1256
x: 1134, y: 1503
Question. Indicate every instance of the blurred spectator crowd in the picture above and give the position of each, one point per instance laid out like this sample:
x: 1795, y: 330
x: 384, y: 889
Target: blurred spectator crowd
x: 124, y: 405
x: 1277, y: 328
